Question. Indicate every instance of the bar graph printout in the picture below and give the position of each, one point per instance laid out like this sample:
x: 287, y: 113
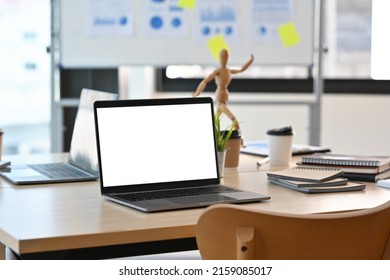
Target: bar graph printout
x: 217, y: 18
x: 267, y: 16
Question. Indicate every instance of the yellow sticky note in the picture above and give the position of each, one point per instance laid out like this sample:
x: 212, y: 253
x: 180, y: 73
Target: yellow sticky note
x: 216, y: 44
x: 189, y: 4
x: 289, y: 34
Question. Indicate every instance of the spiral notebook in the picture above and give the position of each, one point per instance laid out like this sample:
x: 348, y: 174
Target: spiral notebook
x: 306, y: 174
x: 347, y: 160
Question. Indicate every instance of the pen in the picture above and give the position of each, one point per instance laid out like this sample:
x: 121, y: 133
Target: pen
x: 263, y: 161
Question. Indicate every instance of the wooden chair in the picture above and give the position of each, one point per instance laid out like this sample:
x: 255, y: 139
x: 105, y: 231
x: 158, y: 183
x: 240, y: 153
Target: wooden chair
x: 236, y: 232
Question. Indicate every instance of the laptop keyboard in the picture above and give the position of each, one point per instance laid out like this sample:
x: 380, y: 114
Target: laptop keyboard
x: 174, y: 193
x: 57, y: 170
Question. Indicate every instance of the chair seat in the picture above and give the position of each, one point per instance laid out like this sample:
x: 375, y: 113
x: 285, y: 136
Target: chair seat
x: 238, y: 232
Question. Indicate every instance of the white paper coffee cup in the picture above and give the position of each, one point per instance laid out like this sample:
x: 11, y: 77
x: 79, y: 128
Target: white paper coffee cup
x: 280, y: 146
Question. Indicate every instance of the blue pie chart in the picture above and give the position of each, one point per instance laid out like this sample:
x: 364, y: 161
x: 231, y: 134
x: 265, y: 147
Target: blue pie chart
x: 156, y: 22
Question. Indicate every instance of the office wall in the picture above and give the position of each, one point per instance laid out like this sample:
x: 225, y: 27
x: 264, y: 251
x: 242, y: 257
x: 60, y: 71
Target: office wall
x: 351, y: 124
x: 357, y: 124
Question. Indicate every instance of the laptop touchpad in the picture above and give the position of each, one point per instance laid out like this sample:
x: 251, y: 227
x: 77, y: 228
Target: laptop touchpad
x: 24, y: 173
x: 154, y: 203
x: 200, y: 199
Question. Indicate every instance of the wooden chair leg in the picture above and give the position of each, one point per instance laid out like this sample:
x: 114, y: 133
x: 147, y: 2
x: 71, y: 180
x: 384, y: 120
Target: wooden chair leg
x: 245, y: 243
x: 386, y: 252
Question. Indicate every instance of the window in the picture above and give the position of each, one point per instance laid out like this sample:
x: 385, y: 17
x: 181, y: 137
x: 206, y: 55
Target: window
x: 25, y: 75
x: 380, y: 57
x: 348, y: 38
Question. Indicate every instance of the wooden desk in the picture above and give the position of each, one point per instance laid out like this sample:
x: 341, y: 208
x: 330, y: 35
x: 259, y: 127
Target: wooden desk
x: 55, y: 217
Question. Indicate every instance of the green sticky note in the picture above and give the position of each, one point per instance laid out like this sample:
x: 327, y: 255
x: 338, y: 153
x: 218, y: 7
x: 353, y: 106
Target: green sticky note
x: 188, y: 4
x: 289, y: 34
x: 216, y: 44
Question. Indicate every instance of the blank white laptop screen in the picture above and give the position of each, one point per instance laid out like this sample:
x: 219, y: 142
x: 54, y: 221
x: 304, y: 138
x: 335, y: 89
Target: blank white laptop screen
x: 156, y: 144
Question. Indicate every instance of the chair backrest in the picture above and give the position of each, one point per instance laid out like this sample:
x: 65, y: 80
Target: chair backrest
x: 237, y: 232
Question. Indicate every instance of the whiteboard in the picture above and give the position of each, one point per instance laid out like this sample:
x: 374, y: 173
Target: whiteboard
x: 158, y: 33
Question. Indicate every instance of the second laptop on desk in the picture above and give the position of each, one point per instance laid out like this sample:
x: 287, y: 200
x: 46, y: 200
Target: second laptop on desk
x: 82, y: 164
x: 160, y: 154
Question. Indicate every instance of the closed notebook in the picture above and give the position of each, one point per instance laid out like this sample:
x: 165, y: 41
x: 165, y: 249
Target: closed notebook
x: 367, y: 177
x: 320, y: 187
x: 306, y: 174
x: 347, y: 160
x: 349, y: 168
x: 306, y: 184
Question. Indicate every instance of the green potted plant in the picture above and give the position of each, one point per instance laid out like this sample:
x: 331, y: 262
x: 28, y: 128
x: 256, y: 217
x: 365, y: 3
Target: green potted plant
x: 222, y: 137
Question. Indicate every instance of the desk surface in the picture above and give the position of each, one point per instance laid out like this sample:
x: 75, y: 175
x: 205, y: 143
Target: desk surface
x: 40, y: 218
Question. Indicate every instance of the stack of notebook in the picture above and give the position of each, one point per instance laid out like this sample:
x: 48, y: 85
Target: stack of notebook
x: 359, y: 168
x: 313, y: 180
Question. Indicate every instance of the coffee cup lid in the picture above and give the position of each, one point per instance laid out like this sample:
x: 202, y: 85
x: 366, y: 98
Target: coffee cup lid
x: 235, y: 134
x: 287, y: 130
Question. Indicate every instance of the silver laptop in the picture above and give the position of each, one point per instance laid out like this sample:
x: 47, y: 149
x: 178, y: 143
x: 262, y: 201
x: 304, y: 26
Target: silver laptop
x: 160, y: 154
x: 82, y: 164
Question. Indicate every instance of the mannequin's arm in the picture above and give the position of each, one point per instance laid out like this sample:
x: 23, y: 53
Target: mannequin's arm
x: 245, y: 66
x: 203, y: 83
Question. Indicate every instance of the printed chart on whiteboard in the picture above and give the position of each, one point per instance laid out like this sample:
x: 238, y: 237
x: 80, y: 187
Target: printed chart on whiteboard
x: 266, y: 17
x: 111, y: 33
x: 218, y: 17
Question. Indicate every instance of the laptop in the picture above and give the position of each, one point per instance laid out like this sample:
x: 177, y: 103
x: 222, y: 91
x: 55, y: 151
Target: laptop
x: 82, y: 164
x: 160, y: 154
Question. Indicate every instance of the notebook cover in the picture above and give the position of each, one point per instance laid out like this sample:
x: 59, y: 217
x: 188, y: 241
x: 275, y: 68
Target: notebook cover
x: 350, y: 186
x: 352, y: 160
x: 349, y: 168
x: 306, y: 174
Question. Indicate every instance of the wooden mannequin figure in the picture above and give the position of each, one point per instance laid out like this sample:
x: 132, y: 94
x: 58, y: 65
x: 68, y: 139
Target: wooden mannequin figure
x: 223, y: 77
